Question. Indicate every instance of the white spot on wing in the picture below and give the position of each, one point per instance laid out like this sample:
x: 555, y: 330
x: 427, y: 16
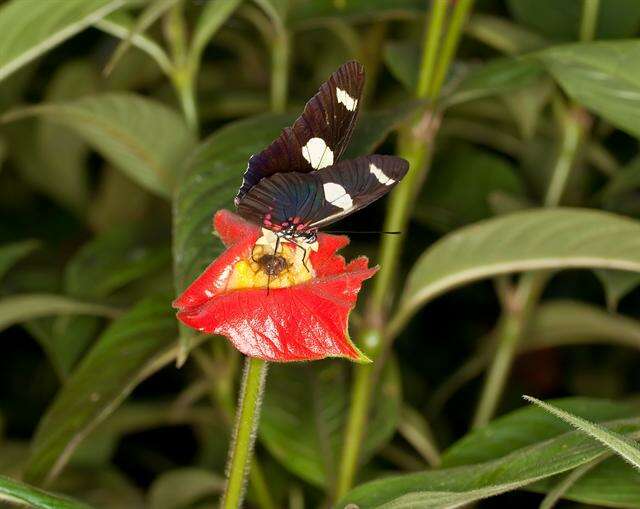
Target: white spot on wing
x: 345, y: 99
x: 337, y: 195
x: 317, y: 153
x: 380, y: 175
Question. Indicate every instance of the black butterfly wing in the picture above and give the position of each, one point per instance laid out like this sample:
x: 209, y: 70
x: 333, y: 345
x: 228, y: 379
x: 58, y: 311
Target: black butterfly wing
x: 318, y: 137
x: 323, y: 197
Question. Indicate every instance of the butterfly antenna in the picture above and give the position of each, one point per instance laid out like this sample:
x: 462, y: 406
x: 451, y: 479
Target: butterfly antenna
x: 384, y: 232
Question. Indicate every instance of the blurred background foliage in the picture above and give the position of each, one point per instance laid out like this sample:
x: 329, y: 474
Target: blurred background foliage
x: 124, y: 124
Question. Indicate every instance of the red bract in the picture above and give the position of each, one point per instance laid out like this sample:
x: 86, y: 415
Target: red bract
x: 303, y: 316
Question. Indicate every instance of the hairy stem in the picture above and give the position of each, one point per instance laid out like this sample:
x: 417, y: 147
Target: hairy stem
x: 244, y: 434
x: 415, y: 145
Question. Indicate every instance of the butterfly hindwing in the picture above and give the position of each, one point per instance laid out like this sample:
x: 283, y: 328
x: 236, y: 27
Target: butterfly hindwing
x: 322, y: 197
x: 318, y: 137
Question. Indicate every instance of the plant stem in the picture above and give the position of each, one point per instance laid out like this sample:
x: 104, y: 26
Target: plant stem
x: 279, y: 69
x: 415, y: 146
x: 515, y: 316
x: 244, y: 434
x: 589, y: 21
x: 452, y: 39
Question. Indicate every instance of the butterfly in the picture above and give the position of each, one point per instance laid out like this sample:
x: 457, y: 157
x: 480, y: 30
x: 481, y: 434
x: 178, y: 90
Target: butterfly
x: 297, y: 184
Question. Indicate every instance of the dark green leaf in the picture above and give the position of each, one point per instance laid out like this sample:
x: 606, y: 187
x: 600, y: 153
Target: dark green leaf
x: 141, y: 137
x: 457, y: 191
x: 10, y: 254
x: 30, y: 28
x: 131, y: 349
x: 303, y: 417
x: 504, y: 35
x: 617, y: 284
x: 561, y: 20
x: 183, y: 487
x: 451, y: 487
x: 15, y: 309
x: 20, y: 493
x: 403, y: 60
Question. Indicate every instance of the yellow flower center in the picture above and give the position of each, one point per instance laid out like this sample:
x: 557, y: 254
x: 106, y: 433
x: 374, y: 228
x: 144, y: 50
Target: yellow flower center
x: 277, y: 270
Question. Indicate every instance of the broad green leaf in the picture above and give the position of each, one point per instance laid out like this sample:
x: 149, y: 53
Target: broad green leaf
x: 528, y: 426
x: 561, y: 20
x: 303, y: 418
x: 10, y: 254
x: 457, y: 191
x: 602, y: 76
x: 503, y: 34
x: 135, y: 346
x: 620, y: 193
x: 113, y: 259
x: 213, y: 16
x: 180, y: 488
x: 529, y: 240
x: 611, y: 483
x: 617, y: 284
x: 120, y: 24
x: 452, y: 487
x: 141, y: 137
x: 17, y: 492
x: 30, y: 28
x: 15, y: 309
x: 496, y: 77
x: 619, y: 444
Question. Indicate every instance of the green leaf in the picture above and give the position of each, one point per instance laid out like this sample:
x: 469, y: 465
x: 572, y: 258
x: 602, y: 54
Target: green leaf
x: 30, y: 28
x: 496, y: 77
x: 303, y: 417
x: 457, y: 191
x: 617, y: 284
x: 451, y: 487
x: 10, y: 254
x: 214, y: 14
x: 141, y: 137
x: 113, y: 259
x: 561, y: 20
x: 523, y: 241
x: 503, y: 34
x: 17, y: 492
x: 180, y: 488
x: 135, y: 346
x: 619, y: 444
x: 602, y: 76
x: 15, y: 309
x: 528, y: 426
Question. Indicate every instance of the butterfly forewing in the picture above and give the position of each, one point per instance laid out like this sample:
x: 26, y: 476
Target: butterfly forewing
x: 318, y: 137
x: 320, y: 198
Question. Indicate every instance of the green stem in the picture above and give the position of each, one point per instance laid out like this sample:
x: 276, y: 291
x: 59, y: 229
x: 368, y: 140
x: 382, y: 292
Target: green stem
x: 454, y: 33
x: 589, y: 20
x: 356, y: 424
x: 279, y: 69
x: 515, y: 316
x: 430, y: 45
x: 415, y: 146
x: 244, y: 434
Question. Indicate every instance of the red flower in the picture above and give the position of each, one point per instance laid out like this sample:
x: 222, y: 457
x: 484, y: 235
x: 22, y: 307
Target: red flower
x: 304, y: 314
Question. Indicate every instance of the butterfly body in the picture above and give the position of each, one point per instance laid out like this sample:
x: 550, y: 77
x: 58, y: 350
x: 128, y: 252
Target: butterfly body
x: 297, y: 185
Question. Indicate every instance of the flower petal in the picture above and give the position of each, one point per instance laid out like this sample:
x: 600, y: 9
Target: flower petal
x: 302, y: 322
